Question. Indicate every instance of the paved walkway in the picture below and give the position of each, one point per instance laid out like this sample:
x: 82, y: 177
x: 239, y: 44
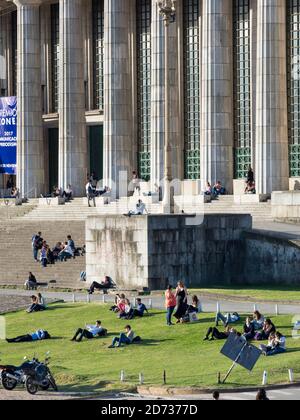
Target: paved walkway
x: 281, y: 230
x: 157, y: 302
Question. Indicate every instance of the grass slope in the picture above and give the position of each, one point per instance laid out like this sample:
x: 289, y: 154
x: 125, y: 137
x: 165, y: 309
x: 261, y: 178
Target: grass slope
x: 91, y: 366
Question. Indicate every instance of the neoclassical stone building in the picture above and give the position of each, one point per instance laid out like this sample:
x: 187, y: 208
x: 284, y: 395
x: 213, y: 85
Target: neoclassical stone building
x: 89, y: 77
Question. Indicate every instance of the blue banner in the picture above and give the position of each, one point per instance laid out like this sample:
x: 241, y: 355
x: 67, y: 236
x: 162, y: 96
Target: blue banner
x: 8, y: 135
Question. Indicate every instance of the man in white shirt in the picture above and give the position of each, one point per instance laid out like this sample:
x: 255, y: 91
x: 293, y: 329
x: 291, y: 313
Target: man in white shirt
x: 90, y: 332
x: 140, y: 209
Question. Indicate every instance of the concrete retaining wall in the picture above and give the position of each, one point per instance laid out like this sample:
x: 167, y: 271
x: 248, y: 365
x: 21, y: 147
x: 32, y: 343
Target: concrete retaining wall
x: 151, y: 251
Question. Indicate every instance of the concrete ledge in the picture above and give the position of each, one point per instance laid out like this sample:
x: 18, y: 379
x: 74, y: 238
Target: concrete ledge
x: 57, y: 201
x: 251, y: 198
x: 239, y: 186
x: 286, y: 205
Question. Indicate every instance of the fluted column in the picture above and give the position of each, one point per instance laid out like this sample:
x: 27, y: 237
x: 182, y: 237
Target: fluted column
x: 30, y: 150
x: 272, y: 171
x: 217, y: 91
x: 157, y: 97
x: 118, y: 138
x: 72, y: 127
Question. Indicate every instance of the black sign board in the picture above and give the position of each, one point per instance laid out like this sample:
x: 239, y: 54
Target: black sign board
x: 240, y: 352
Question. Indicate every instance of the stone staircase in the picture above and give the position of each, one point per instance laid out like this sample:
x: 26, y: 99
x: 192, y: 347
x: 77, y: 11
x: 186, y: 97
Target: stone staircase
x: 18, y: 224
x: 16, y: 258
x: 226, y: 205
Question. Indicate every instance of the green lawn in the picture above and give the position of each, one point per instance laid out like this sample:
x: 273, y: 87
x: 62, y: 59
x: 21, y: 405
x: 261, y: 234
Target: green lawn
x: 266, y: 293
x: 180, y: 350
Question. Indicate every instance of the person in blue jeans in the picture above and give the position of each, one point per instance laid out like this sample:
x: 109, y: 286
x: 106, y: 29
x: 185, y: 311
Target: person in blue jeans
x: 124, y: 338
x: 227, y: 319
x: 279, y: 346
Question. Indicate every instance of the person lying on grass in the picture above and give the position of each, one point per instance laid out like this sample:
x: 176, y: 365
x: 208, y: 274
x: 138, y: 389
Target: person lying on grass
x: 36, y: 336
x: 125, y: 338
x: 214, y: 334
x: 90, y: 332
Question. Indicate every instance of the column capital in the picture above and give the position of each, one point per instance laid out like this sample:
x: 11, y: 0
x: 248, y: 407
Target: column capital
x: 20, y: 3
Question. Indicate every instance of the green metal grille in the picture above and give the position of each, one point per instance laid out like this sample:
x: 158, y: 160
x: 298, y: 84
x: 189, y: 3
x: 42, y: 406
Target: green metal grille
x: 143, y: 21
x: 295, y: 160
x: 192, y: 164
x: 293, y: 49
x: 242, y: 87
x: 243, y: 160
x: 14, y: 44
x: 191, y: 48
x: 54, y: 56
x: 98, y: 53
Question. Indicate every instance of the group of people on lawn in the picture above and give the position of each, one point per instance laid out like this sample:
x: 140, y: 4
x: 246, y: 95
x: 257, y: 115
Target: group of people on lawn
x: 256, y: 327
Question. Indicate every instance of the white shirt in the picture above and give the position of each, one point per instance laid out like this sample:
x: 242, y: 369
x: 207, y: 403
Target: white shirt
x: 140, y: 208
x: 94, y: 329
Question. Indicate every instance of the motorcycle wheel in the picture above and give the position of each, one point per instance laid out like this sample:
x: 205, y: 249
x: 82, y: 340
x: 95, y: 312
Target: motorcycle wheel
x: 8, y: 384
x: 31, y: 387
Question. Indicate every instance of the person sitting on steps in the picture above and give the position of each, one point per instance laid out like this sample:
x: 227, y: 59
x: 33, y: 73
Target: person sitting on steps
x: 31, y: 283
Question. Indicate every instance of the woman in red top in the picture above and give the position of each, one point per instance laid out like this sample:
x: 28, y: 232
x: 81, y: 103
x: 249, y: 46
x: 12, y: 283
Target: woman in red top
x: 170, y: 304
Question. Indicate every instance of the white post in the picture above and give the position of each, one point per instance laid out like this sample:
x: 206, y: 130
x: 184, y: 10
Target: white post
x: 74, y: 299
x: 255, y: 308
x: 218, y: 308
x: 291, y: 376
x: 88, y: 298
x: 265, y: 378
x: 141, y: 378
x: 277, y: 310
x: 122, y: 376
x: 103, y: 299
x: 150, y: 303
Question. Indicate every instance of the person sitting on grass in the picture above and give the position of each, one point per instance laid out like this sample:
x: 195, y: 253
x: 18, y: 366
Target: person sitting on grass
x: 35, y: 306
x: 268, y: 328
x: 31, y: 283
x: 119, y: 305
x: 214, y: 334
x: 249, y: 332
x: 258, y: 321
x: 271, y: 344
x: 140, y: 309
x: 90, y: 332
x: 279, y: 346
x: 104, y: 285
x: 227, y: 319
x: 195, y: 306
x: 124, y: 338
x: 36, y: 336
x: 127, y: 313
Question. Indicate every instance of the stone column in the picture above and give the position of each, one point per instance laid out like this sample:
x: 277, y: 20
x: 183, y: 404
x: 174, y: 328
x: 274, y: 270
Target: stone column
x: 3, y: 51
x: 30, y: 150
x: 118, y: 136
x: 217, y: 92
x: 272, y: 170
x: 158, y: 98
x: 72, y: 126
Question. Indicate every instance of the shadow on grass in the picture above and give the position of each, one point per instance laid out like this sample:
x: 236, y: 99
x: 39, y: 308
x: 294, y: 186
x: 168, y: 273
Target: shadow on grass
x: 100, y: 388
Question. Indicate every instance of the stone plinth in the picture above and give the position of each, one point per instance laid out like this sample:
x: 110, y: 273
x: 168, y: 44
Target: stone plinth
x: 152, y: 251
x: 286, y: 205
x: 251, y: 198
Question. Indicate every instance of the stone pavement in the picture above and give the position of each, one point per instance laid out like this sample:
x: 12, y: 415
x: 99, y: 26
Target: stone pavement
x: 157, y: 302
x: 282, y: 230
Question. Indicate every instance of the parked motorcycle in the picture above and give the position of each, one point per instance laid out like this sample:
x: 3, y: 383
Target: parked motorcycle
x: 33, y: 374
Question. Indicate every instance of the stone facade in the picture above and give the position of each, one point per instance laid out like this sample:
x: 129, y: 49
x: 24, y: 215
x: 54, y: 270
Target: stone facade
x: 153, y: 251
x: 76, y: 113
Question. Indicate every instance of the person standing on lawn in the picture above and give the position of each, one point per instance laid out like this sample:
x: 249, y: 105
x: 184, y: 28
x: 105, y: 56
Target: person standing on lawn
x: 170, y: 304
